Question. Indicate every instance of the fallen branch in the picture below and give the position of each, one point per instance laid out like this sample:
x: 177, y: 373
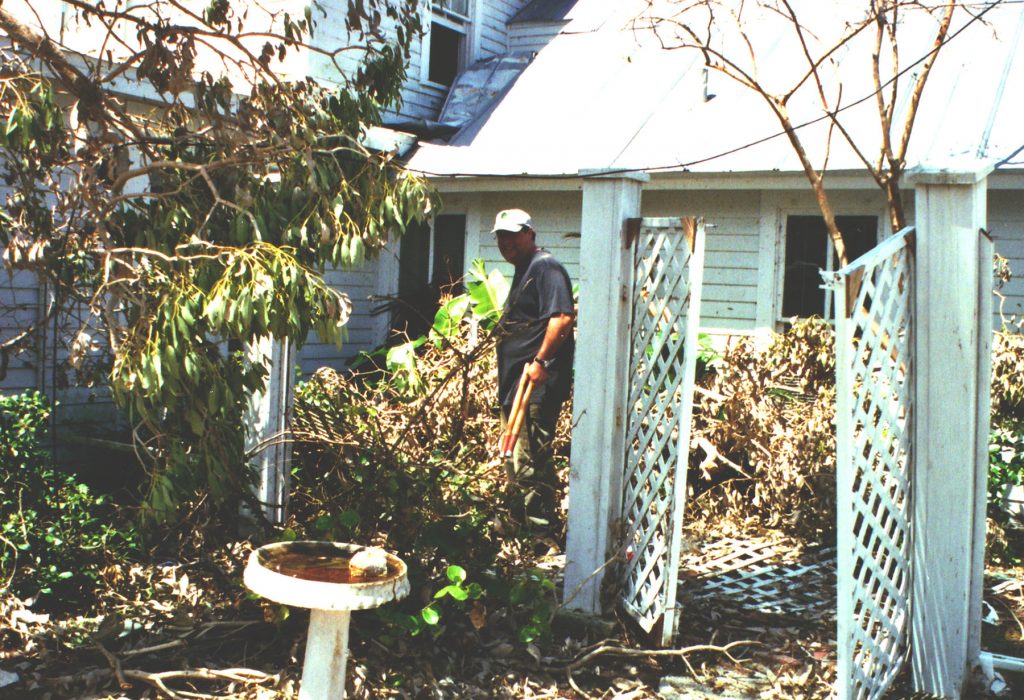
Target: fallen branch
x: 655, y: 653
x: 603, y: 647
x: 158, y: 680
x: 115, y: 665
x: 713, y: 455
x: 166, y: 646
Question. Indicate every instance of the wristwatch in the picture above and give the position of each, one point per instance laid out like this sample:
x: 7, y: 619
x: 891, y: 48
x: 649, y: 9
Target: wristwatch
x: 546, y: 364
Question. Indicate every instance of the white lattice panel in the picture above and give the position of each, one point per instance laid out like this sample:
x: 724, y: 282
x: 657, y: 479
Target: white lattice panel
x: 874, y: 466
x: 668, y: 260
x: 771, y: 577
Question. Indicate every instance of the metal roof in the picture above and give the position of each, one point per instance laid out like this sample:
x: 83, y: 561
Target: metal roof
x: 606, y: 94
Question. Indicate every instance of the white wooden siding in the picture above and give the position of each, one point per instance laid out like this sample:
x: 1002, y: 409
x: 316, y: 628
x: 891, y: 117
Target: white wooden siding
x: 1006, y: 225
x: 494, y: 35
x: 19, y: 306
x: 363, y: 332
x: 556, y: 218
x: 531, y: 37
x: 732, y: 220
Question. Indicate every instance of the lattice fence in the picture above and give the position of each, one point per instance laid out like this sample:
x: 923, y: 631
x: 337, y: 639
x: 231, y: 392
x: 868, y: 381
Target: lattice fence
x: 668, y: 266
x: 874, y: 323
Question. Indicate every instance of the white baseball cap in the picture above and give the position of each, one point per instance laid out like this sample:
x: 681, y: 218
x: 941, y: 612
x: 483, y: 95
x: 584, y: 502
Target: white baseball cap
x: 513, y: 220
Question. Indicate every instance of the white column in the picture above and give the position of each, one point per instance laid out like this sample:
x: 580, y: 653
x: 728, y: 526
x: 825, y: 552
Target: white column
x: 595, y: 474
x: 385, y: 288
x: 474, y: 225
x: 267, y: 418
x: 952, y: 325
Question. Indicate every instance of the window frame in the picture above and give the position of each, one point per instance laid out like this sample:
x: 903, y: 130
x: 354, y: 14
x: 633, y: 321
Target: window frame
x: 781, y: 240
x: 453, y: 21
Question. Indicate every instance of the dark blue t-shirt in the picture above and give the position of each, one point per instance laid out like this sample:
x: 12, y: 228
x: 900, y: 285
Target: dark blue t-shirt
x: 540, y: 290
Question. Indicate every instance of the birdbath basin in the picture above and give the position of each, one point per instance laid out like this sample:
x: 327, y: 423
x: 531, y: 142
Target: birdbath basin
x: 317, y: 575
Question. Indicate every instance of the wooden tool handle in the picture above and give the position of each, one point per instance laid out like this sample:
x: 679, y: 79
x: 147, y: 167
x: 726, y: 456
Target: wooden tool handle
x: 508, y: 439
x: 518, y: 423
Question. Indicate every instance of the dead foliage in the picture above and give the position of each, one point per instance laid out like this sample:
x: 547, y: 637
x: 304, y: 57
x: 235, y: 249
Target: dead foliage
x: 418, y: 472
x: 409, y: 459
x: 764, y: 435
x: 1008, y: 374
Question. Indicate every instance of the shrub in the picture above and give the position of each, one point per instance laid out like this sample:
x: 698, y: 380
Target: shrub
x: 57, y: 535
x: 408, y: 454
x: 764, y: 434
x: 1006, y: 444
x: 765, y: 438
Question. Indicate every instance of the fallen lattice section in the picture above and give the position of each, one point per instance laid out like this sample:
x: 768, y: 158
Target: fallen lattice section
x: 770, y: 576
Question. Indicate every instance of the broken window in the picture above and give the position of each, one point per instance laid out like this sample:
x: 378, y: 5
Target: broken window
x: 809, y: 250
x: 445, y: 52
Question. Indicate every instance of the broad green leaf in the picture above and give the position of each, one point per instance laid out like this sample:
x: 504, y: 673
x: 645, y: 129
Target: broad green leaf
x: 456, y: 574
x: 430, y: 615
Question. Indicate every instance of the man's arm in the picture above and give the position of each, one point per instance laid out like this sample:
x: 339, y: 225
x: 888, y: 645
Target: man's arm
x: 559, y: 328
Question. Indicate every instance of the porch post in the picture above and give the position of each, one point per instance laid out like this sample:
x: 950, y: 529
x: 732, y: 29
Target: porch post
x: 952, y: 359
x: 267, y: 416
x: 595, y: 473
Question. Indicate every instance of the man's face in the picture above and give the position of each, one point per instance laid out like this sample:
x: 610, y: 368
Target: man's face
x: 516, y: 247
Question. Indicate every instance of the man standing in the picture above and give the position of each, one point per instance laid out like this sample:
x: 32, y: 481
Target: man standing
x: 535, y: 333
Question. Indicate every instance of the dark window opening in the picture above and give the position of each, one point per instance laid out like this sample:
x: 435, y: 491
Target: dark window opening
x: 449, y: 253
x: 445, y: 50
x: 808, y: 248
x: 429, y: 266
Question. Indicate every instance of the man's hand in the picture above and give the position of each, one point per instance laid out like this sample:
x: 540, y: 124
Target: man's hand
x: 559, y: 328
x: 536, y: 372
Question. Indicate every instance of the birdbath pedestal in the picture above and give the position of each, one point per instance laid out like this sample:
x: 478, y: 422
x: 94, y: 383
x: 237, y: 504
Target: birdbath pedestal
x: 316, y: 575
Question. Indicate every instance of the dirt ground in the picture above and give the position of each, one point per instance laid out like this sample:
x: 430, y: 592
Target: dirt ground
x: 197, y: 634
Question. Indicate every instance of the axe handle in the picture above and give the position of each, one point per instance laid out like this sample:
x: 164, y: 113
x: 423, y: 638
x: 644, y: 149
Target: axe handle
x: 517, y: 423
x: 507, y: 439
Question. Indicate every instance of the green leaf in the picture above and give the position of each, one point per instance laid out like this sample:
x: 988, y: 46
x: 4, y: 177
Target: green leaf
x: 449, y: 316
x: 430, y: 615
x: 456, y: 574
x: 456, y: 592
x: 349, y: 519
x: 528, y: 633
x: 195, y: 422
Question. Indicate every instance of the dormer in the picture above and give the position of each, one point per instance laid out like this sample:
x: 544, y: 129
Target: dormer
x: 456, y: 35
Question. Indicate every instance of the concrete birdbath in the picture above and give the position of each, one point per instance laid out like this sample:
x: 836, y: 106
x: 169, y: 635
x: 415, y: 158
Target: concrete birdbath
x: 332, y: 579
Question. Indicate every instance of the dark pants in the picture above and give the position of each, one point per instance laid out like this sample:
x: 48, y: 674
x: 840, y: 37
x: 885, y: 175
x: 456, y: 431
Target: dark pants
x: 534, y: 496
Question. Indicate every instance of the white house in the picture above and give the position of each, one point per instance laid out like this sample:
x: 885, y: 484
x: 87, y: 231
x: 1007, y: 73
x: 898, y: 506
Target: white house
x: 604, y: 94
x: 582, y: 87
x: 508, y: 102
